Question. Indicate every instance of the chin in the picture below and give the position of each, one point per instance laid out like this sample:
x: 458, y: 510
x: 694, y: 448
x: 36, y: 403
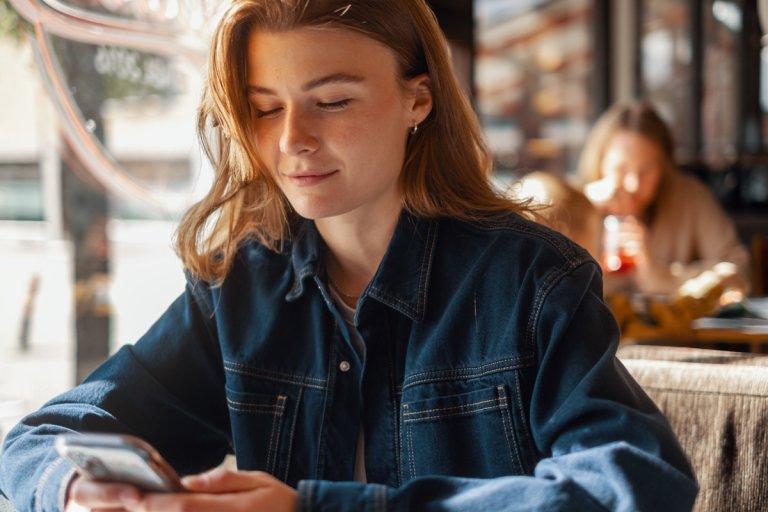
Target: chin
x: 623, y: 212
x: 317, y: 211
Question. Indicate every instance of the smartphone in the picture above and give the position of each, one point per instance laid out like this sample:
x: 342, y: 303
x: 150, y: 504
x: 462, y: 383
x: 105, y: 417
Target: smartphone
x: 119, y: 458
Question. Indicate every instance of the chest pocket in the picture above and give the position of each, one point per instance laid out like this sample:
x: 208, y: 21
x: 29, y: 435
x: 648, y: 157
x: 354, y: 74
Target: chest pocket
x: 262, y: 426
x: 471, y: 435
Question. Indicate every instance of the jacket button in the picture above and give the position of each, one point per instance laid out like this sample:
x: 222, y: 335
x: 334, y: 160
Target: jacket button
x: 344, y: 366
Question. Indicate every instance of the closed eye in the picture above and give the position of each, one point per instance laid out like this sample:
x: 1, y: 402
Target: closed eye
x: 267, y: 113
x: 334, y: 105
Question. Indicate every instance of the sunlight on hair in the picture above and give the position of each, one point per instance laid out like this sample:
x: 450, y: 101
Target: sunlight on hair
x: 343, y: 10
x: 536, y: 190
x: 599, y: 191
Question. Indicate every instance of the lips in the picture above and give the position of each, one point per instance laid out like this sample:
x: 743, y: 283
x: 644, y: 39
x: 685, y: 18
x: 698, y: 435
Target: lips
x: 309, y: 177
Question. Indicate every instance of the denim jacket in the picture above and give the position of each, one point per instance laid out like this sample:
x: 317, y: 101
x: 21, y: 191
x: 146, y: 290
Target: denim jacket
x: 488, y: 381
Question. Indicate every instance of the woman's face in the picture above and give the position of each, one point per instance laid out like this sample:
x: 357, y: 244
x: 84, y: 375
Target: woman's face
x: 631, y: 168
x: 332, y: 119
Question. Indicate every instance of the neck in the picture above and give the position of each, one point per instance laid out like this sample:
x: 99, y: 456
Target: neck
x: 349, y: 300
x: 354, y: 251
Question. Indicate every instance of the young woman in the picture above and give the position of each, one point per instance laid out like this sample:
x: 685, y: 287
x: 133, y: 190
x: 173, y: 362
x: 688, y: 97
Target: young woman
x: 367, y: 324
x: 675, y: 225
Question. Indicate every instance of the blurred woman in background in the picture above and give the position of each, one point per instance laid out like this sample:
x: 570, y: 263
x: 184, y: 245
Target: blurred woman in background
x: 668, y: 228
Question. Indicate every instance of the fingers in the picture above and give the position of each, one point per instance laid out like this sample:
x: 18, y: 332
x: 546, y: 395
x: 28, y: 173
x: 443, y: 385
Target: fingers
x: 218, y: 489
x: 221, y: 489
x: 98, y: 495
x: 221, y: 480
x: 200, y: 503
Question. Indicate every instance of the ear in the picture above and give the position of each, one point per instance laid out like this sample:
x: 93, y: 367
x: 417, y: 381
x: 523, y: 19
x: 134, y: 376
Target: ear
x: 419, y: 98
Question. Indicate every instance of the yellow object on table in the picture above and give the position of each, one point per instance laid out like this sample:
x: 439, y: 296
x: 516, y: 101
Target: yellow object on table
x: 663, y: 318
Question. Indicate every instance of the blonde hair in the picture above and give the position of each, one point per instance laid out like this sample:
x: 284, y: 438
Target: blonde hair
x: 446, y: 167
x: 634, y: 116
x: 561, y: 206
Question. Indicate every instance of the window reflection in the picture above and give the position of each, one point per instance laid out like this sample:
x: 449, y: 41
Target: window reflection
x: 21, y: 195
x: 141, y: 107
x: 722, y: 26
x: 665, y: 58
x: 99, y: 159
x: 534, y: 61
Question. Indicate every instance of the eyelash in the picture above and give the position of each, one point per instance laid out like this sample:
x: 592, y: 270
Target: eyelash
x: 266, y: 113
x: 332, y: 106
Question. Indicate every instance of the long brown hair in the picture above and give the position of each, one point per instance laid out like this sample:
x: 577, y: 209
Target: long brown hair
x: 634, y: 116
x: 447, y: 164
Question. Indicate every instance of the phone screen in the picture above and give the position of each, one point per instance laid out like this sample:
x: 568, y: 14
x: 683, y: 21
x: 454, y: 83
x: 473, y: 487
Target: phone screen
x: 115, y: 458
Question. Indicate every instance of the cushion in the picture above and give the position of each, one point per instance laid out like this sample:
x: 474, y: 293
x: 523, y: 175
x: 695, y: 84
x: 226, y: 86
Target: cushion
x: 717, y: 404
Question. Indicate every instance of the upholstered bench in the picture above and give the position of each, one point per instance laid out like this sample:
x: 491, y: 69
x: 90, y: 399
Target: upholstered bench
x: 717, y: 403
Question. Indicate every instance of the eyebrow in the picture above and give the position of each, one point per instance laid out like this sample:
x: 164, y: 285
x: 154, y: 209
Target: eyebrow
x: 333, y: 78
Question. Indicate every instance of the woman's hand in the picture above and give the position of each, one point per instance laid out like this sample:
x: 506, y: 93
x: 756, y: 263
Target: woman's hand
x: 219, y: 489
x: 85, y: 494
x: 647, y: 277
x: 226, y: 490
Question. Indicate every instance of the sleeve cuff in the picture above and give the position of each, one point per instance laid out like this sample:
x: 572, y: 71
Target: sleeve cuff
x: 51, y: 490
x: 321, y: 496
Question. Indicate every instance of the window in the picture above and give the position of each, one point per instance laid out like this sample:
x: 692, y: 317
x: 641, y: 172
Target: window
x: 98, y: 159
x: 666, y: 55
x: 534, y: 77
x: 21, y: 196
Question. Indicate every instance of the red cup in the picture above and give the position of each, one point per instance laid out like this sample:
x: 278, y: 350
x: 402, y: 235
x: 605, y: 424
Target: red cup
x: 619, y: 252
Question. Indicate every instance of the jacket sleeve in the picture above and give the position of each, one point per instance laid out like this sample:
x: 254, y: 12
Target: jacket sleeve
x: 603, y: 444
x: 174, y: 371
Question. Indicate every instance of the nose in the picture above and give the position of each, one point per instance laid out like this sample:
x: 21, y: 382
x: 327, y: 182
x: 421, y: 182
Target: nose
x: 631, y: 182
x: 298, y: 135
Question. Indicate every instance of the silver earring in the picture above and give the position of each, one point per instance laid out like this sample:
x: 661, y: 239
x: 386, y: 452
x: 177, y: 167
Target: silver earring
x: 414, y: 128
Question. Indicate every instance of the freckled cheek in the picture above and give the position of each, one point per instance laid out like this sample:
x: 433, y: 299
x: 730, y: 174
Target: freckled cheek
x: 268, y: 146
x: 346, y: 134
x: 266, y: 136
x: 354, y: 137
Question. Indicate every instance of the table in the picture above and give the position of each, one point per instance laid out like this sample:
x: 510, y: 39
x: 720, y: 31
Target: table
x: 684, y: 322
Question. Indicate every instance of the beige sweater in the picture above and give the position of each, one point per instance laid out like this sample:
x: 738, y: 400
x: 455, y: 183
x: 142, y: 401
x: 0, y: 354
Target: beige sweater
x: 689, y: 234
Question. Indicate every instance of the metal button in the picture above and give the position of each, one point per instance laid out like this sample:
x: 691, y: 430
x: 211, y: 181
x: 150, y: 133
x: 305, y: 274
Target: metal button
x: 344, y: 366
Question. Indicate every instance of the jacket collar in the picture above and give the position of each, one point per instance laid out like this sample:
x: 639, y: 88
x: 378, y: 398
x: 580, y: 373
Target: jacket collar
x: 402, y: 277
